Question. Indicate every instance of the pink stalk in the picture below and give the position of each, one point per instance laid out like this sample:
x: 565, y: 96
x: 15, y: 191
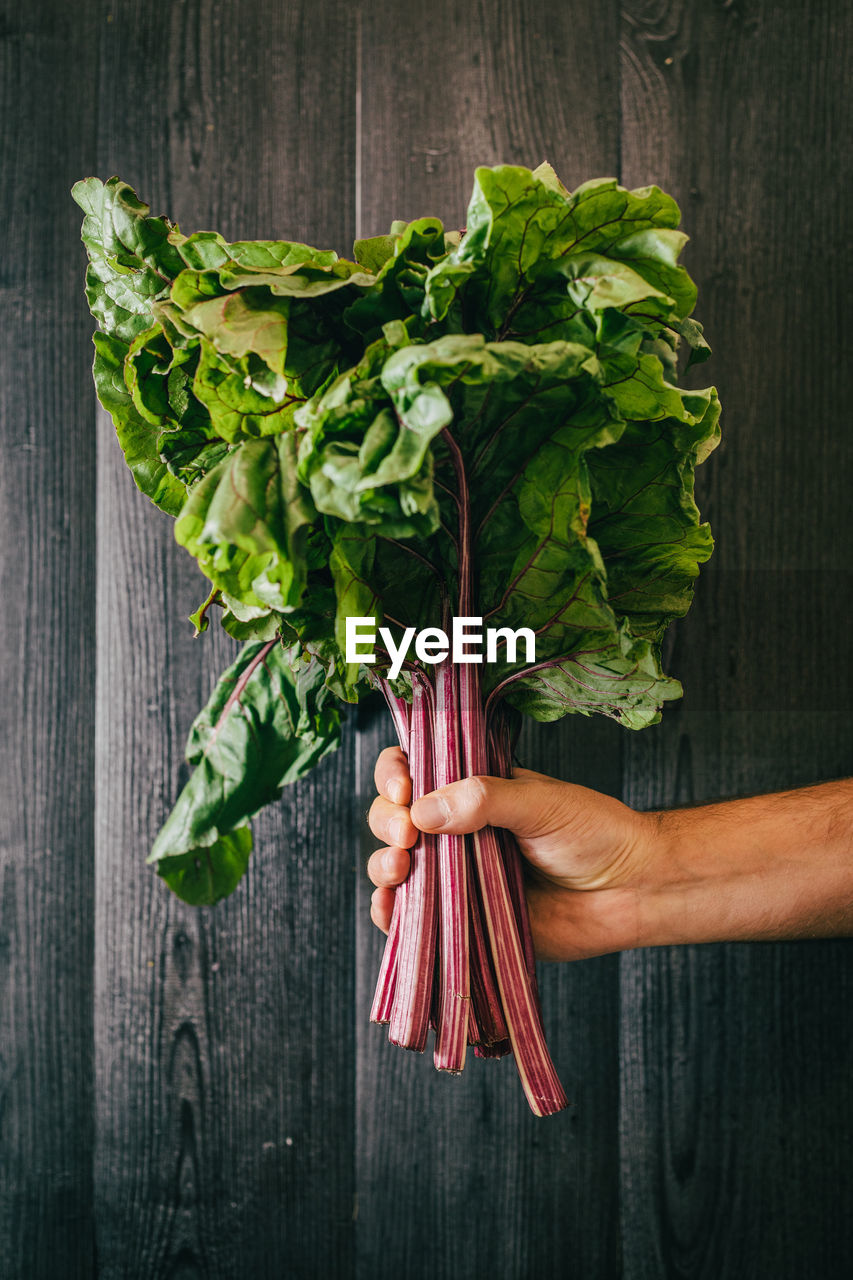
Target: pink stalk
x: 515, y: 883
x: 499, y: 1050
x: 386, y: 983
x: 452, y: 1035
x: 521, y: 1007
x: 500, y: 764
x: 519, y: 999
x: 475, y: 1035
x: 417, y: 923
x: 485, y: 1000
x: 435, y: 1003
x: 400, y: 713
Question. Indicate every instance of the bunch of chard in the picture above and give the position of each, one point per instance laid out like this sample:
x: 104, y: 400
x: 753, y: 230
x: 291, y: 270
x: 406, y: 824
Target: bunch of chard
x: 474, y: 424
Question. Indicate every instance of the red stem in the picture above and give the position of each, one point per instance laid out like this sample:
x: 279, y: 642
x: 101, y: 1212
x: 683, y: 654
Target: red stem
x: 236, y: 692
x: 499, y: 1050
x: 500, y: 760
x: 485, y: 997
x: 417, y: 925
x: 400, y: 713
x: 386, y: 982
x: 452, y: 1034
x: 464, y: 524
x: 519, y: 998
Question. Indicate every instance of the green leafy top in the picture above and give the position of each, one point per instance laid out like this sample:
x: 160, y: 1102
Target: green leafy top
x: 305, y: 418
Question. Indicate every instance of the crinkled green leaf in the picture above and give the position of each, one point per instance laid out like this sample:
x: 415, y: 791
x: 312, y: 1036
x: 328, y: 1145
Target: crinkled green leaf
x: 302, y: 273
x: 374, y: 252
x: 313, y: 626
x: 160, y: 380
x: 352, y: 559
x: 399, y: 286
x: 633, y: 377
x: 547, y: 175
x: 206, y: 250
x: 247, y: 522
x: 138, y: 438
x: 364, y: 461
x: 280, y: 341
x: 268, y: 722
x: 208, y: 873
x: 240, y: 403
x: 653, y: 254
x: 622, y: 680
x: 645, y: 519
x: 596, y: 283
x: 265, y: 627
x: 615, y: 541
x: 133, y: 258
x: 298, y: 281
x: 694, y: 335
x: 558, y: 585
x: 248, y: 321
x: 316, y: 345
x: 493, y: 393
x: 189, y: 454
x: 522, y: 232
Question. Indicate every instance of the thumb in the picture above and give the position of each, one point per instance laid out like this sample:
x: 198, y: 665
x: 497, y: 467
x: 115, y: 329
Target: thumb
x: 528, y: 803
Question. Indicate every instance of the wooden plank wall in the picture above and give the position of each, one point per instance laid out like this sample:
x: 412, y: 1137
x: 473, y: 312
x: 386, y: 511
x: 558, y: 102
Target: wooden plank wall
x: 193, y: 1094
x: 736, y: 1081
x: 224, y: 1039
x: 47, y: 634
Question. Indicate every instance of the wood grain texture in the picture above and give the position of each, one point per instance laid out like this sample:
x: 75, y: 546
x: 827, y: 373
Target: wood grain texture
x: 47, y: 533
x: 245, y: 1118
x: 224, y: 1037
x: 737, y: 1102
x: 455, y: 1174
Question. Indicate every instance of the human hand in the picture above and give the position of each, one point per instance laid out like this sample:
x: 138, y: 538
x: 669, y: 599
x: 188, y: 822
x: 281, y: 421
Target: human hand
x: 588, y: 857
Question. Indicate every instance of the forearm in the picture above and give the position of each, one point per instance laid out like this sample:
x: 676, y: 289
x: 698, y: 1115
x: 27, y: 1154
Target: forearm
x: 763, y: 868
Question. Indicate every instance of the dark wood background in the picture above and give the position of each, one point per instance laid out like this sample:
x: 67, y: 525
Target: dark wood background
x: 198, y: 1093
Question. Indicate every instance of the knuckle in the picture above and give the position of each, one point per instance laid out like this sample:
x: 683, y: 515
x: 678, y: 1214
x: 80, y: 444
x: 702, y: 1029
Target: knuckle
x: 477, y: 795
x: 389, y: 760
x: 376, y: 815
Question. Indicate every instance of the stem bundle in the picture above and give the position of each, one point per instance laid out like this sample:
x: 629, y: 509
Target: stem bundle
x: 459, y: 955
x: 459, y: 949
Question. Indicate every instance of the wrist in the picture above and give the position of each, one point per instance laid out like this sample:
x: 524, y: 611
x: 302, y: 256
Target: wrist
x: 760, y: 869
x: 679, y: 892
x: 705, y: 883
